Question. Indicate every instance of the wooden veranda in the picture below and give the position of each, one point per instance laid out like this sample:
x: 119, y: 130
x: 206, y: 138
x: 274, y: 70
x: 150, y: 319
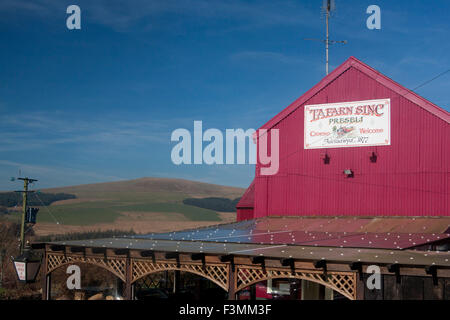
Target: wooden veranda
x: 237, y: 255
x: 231, y: 273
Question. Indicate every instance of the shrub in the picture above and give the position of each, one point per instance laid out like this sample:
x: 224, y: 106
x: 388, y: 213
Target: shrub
x: 11, y: 199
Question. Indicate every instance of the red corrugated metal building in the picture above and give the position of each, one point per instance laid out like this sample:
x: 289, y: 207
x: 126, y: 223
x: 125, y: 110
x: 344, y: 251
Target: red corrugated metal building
x: 409, y: 176
x: 359, y: 158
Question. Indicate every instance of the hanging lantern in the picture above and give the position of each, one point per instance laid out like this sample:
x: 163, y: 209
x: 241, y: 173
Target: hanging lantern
x: 27, y: 265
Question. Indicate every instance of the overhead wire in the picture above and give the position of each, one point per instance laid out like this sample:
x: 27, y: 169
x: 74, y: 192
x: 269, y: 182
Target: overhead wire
x: 48, y: 209
x: 428, y: 81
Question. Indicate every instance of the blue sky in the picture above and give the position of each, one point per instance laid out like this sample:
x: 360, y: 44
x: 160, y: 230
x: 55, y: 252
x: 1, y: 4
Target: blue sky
x: 99, y: 104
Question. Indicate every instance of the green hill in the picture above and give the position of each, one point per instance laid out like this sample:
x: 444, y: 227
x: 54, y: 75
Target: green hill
x: 140, y: 199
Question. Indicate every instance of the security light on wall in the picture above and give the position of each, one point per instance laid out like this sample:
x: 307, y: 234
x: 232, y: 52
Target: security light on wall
x: 326, y: 158
x: 349, y: 173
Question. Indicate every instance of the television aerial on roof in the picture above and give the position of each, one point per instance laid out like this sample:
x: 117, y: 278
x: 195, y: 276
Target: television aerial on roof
x: 328, y: 7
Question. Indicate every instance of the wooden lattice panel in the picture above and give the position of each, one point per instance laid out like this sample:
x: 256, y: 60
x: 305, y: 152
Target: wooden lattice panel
x: 342, y: 282
x: 154, y: 281
x: 114, y: 265
x: 217, y: 273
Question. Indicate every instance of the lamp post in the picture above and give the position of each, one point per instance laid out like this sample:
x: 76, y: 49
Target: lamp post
x: 27, y: 264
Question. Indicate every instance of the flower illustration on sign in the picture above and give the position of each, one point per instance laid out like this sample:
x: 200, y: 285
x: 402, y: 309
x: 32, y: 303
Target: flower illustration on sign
x: 342, y: 130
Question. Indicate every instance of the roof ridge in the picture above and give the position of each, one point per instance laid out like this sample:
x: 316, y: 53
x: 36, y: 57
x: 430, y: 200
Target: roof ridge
x: 370, y: 72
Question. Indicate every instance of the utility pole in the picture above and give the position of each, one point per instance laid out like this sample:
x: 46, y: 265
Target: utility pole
x: 328, y: 7
x: 26, y: 182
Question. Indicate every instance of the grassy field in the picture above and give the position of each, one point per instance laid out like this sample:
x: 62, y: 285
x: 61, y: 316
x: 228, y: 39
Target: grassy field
x: 146, y: 199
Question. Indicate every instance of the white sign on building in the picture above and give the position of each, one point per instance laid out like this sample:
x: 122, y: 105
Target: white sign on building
x: 348, y: 124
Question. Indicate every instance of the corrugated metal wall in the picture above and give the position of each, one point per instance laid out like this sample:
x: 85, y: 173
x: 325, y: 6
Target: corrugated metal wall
x: 244, y: 214
x: 410, y: 177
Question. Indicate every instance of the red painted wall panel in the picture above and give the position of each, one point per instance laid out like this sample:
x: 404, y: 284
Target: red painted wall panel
x: 244, y: 214
x: 410, y: 177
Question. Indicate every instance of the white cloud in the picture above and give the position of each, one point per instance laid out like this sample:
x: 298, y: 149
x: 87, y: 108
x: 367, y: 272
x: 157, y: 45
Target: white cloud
x: 123, y: 15
x: 50, y: 176
x: 36, y: 130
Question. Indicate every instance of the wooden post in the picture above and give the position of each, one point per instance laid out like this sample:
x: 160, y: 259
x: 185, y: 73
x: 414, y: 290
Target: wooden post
x: 166, y: 280
x: 46, y: 286
x: 128, y: 279
x: 46, y: 279
x: 176, y: 281
x: 231, y: 282
x: 24, y: 212
x: 359, y: 286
